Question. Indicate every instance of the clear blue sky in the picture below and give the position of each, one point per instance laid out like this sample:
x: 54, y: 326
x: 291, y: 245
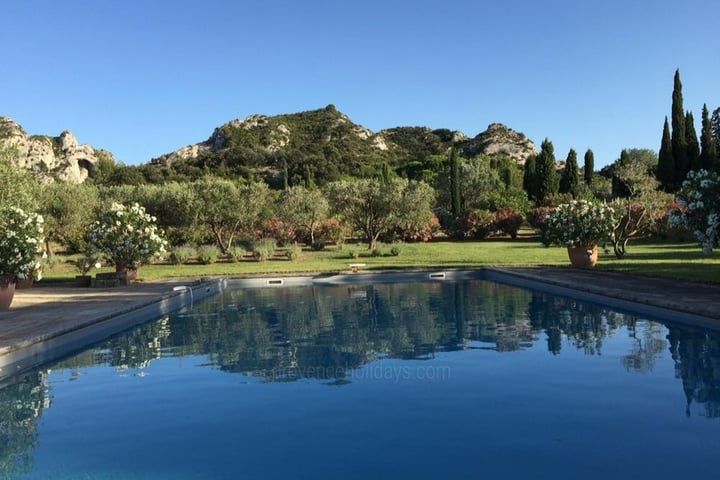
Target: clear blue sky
x: 145, y: 77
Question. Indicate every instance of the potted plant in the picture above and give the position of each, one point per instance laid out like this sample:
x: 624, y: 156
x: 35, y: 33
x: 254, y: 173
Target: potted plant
x: 579, y: 225
x: 83, y: 265
x: 21, y: 241
x: 127, y: 236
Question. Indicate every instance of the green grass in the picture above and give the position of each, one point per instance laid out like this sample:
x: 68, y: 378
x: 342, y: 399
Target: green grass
x: 682, y: 261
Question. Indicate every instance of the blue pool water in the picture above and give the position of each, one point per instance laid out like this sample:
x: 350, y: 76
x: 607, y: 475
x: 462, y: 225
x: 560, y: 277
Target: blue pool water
x: 447, y: 379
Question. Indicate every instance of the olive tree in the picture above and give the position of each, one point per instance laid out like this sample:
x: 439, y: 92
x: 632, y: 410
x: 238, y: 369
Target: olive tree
x: 638, y: 211
x: 304, y: 208
x: 68, y: 211
x: 228, y: 209
x: 374, y: 206
x: 174, y: 204
x: 18, y: 187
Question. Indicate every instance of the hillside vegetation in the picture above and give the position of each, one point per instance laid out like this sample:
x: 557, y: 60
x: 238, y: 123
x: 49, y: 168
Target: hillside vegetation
x: 318, y: 147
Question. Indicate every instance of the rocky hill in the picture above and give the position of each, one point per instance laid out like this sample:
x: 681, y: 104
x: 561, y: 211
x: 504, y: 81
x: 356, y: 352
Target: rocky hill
x: 325, y: 145
x: 500, y: 140
x: 50, y: 158
x: 317, y: 145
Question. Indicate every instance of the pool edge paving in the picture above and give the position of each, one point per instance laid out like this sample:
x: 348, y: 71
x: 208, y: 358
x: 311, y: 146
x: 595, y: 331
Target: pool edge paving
x: 47, y: 321
x: 686, y: 302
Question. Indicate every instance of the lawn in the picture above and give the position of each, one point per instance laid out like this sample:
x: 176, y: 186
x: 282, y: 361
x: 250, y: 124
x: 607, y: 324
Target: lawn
x: 650, y: 258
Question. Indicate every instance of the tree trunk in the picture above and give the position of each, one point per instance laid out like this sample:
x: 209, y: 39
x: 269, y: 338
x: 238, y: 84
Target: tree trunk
x: 620, y: 247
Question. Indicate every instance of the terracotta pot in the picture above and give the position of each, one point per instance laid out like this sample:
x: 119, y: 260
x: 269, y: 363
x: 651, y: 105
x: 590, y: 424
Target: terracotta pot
x: 130, y: 272
x: 583, y: 257
x: 26, y: 282
x: 7, y: 291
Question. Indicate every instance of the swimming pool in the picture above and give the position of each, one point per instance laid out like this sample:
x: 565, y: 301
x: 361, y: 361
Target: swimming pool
x: 434, y: 379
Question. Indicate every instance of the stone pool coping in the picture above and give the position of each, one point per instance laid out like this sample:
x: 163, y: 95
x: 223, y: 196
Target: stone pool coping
x: 46, y: 321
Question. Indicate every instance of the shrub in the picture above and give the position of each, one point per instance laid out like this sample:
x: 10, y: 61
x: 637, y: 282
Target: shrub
x: 508, y: 221
x: 579, y: 224
x: 698, y: 208
x: 283, y: 233
x: 421, y: 233
x: 318, y: 245
x: 333, y: 231
x: 21, y: 241
x: 207, y: 254
x: 263, y: 250
x: 236, y: 253
x: 354, y: 253
x: 85, y: 263
x: 293, y: 252
x: 378, y: 251
x: 127, y: 235
x: 181, y: 254
x: 479, y: 224
x: 395, y: 250
x: 537, y: 217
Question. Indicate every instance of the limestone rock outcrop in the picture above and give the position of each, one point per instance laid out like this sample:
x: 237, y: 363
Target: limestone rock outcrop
x: 500, y: 140
x: 50, y: 158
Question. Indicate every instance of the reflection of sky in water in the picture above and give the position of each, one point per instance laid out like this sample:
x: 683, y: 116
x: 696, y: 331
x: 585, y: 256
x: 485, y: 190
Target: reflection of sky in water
x: 409, y: 380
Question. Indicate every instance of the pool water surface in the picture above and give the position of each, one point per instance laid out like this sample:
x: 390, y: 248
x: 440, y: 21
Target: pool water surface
x: 410, y: 380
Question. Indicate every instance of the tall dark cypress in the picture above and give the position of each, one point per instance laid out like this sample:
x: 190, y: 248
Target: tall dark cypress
x: 618, y: 188
x: 546, y: 172
x: 589, y: 167
x: 693, y: 147
x: 286, y: 174
x: 708, y: 147
x: 666, y: 164
x: 715, y: 124
x: 530, y: 177
x: 456, y: 203
x: 679, y: 142
x: 569, y: 178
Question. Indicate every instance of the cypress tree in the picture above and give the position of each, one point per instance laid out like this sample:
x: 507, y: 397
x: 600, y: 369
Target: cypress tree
x: 548, y: 180
x: 589, y: 167
x: 569, y: 178
x: 618, y: 188
x: 693, y: 147
x: 666, y: 165
x: 529, y: 177
x: 286, y: 174
x: 708, y: 147
x: 309, y: 182
x: 385, y: 173
x: 679, y: 143
x: 715, y: 125
x: 456, y: 204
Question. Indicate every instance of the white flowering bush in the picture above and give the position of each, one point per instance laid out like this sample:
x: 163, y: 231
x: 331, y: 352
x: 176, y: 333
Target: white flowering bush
x: 127, y: 235
x: 21, y: 243
x: 579, y: 223
x: 697, y: 208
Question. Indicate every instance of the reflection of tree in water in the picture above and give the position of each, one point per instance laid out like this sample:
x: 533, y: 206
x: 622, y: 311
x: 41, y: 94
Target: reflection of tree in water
x: 495, y: 314
x: 321, y: 332
x: 21, y: 405
x: 584, y: 325
x: 648, y: 345
x: 134, y: 349
x: 697, y: 364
